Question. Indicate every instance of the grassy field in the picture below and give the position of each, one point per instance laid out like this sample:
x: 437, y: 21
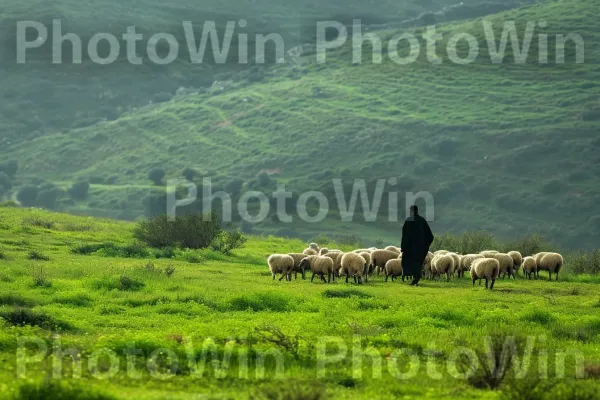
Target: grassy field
x: 98, y: 301
x: 509, y: 147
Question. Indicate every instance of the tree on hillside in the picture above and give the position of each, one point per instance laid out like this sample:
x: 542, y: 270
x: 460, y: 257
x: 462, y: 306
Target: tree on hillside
x: 5, y: 181
x: 79, y: 190
x: 10, y: 168
x: 156, y: 175
x: 189, y: 173
x: 47, y: 198
x: 28, y: 195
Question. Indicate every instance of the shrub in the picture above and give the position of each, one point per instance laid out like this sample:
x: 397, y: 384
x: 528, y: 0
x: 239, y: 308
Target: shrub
x: 10, y: 168
x: 27, y: 196
x: 169, y: 270
x: 20, y: 316
x: 264, y: 179
x: 228, y: 240
x: 37, y: 255
x: 59, y: 390
x: 584, y: 262
x: 40, y: 279
x: 5, y: 181
x: 39, y: 222
x: 343, y: 294
x: 192, y: 231
x: 527, y: 245
x: 129, y: 284
x: 189, y: 174
x: 79, y: 190
x: 156, y: 175
x: 47, y: 198
x: 14, y: 299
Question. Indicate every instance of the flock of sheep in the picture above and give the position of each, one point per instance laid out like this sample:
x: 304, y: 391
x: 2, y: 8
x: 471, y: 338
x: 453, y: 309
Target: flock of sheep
x: 362, y: 263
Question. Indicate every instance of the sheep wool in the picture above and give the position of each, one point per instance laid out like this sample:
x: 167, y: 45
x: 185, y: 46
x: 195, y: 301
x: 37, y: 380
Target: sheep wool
x: 352, y: 265
x: 309, y: 252
x: 457, y: 263
x: 393, y: 268
x: 551, y: 262
x: 530, y: 267
x: 315, y: 247
x: 281, y: 264
x: 319, y: 265
x: 442, y: 264
x: 467, y: 261
x: 517, y: 260
x: 367, y: 257
x: 379, y: 258
x: 297, y: 259
x: 393, y: 248
x: 485, y: 268
x: 488, y: 253
x: 506, y: 264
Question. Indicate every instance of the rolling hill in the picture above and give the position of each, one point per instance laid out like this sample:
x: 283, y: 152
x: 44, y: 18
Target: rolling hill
x: 510, y: 147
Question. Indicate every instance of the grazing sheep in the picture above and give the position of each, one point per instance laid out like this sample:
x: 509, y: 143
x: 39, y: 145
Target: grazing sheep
x: 442, y: 264
x: 336, y: 256
x: 488, y: 253
x: 372, y: 249
x: 440, y: 252
x: 309, y: 252
x: 551, y: 262
x: 297, y: 259
x: 485, y: 268
x: 319, y: 265
x: 506, y: 264
x: 529, y: 267
x: 323, y: 251
x: 393, y: 268
x: 358, y: 251
x: 315, y: 247
x: 379, y: 258
x: 352, y: 264
x: 467, y: 261
x: 367, y: 257
x: 457, y: 262
x: 393, y: 248
x: 538, y: 257
x: 281, y: 264
x: 517, y: 260
x: 427, y: 265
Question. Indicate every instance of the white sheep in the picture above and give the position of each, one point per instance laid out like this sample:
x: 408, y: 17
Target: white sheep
x: 538, y: 258
x: 336, y: 256
x: 310, y: 252
x: 315, y: 247
x: 319, y: 265
x: 440, y: 252
x: 379, y: 258
x: 393, y: 268
x: 427, y: 264
x: 367, y: 257
x: 551, y: 262
x: 488, y: 253
x: 297, y: 259
x: 393, y: 248
x: 457, y: 262
x: 485, y: 268
x: 529, y: 267
x: 467, y: 261
x: 506, y: 264
x: 323, y: 251
x: 517, y: 260
x: 442, y: 264
x: 352, y: 264
x: 281, y: 264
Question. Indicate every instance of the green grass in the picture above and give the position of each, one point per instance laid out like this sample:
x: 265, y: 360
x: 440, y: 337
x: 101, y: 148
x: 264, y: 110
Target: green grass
x: 495, y: 144
x: 99, y: 302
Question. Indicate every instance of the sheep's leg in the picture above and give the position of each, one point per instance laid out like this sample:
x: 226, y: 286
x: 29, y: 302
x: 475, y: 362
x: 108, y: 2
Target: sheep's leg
x: 323, y: 278
x: 473, y: 282
x: 313, y: 277
x: 347, y: 276
x: 447, y: 276
x: 556, y: 280
x: 386, y: 277
x: 282, y: 275
x: 329, y: 277
x: 549, y: 275
x: 359, y: 280
x: 355, y: 279
x: 273, y: 275
x: 492, y: 286
x: 486, y: 283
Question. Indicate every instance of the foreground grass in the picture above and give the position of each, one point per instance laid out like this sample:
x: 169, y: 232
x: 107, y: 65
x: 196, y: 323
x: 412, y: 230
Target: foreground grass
x: 90, y: 302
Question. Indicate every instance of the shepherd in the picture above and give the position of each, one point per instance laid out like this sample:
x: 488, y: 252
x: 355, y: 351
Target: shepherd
x: 416, y: 239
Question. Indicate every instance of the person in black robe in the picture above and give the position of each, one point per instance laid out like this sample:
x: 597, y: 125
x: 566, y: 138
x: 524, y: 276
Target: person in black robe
x: 416, y: 239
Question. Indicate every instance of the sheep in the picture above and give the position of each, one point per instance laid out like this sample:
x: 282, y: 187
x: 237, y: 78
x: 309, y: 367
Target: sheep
x: 551, y: 262
x: 315, y: 247
x: 485, y: 268
x: 323, y: 251
x: 319, y: 265
x: 281, y: 263
x: 367, y: 257
x: 393, y: 248
x: 457, y: 263
x: 467, y: 261
x: 506, y: 264
x: 393, y: 268
x: 336, y: 256
x: 358, y: 251
x: 297, y: 258
x: 440, y: 252
x: 442, y: 264
x: 372, y: 249
x: 379, y: 258
x: 427, y: 264
x: 488, y: 253
x: 309, y: 252
x: 529, y: 267
x: 538, y: 257
x: 517, y: 260
x: 352, y: 264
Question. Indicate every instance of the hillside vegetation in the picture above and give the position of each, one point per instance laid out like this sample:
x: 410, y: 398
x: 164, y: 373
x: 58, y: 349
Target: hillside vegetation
x: 509, y: 148
x: 98, y: 303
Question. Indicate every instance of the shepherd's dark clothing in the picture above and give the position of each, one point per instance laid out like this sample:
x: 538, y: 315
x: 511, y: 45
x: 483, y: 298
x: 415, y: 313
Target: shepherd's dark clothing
x: 416, y: 239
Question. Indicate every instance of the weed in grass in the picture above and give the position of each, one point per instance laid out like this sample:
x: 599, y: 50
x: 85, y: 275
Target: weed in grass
x: 40, y: 279
x: 266, y: 301
x: 21, y: 316
x: 60, y: 390
x: 37, y: 255
x: 192, y: 258
x: 75, y: 300
x: 122, y: 283
x: 345, y: 293
x: 592, y: 371
x: 2, y: 255
x: 169, y: 270
x: 274, y: 335
x: 14, y: 299
x: 39, y: 222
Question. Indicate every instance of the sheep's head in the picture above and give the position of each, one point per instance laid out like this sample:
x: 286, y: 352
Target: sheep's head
x: 305, y: 264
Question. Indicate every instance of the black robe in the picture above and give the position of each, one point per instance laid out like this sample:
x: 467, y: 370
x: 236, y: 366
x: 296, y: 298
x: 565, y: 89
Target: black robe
x: 416, y: 239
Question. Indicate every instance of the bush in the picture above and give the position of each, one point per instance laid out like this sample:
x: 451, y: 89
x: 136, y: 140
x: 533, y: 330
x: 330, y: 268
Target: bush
x: 193, y: 231
x: 5, y: 181
x: 47, y: 198
x: 156, y: 175
x: 228, y: 240
x: 527, y: 245
x: 20, y: 316
x: 10, y: 168
x: 79, y: 190
x: 264, y: 179
x: 584, y: 262
x: 37, y: 255
x: 169, y: 270
x: 59, y: 390
x: 189, y: 174
x: 28, y: 195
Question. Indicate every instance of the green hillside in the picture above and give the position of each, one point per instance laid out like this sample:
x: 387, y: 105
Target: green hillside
x: 509, y: 148
x: 56, y: 292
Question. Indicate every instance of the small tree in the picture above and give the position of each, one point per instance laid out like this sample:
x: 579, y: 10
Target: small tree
x: 264, y: 179
x: 5, y: 181
x: 156, y: 175
x: 189, y: 174
x: 79, y: 190
x: 27, y: 196
x: 10, y: 168
x: 47, y: 198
